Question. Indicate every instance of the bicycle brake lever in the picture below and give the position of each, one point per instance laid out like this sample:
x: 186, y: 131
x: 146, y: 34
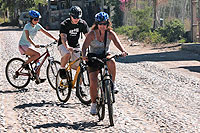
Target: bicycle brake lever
x: 42, y: 46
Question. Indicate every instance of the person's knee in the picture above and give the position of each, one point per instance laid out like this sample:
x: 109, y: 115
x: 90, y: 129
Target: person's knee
x: 111, y: 63
x: 66, y: 56
x: 37, y: 54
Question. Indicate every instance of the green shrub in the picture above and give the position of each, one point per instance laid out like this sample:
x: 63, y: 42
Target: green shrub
x: 127, y: 30
x: 173, y: 30
x: 154, y: 38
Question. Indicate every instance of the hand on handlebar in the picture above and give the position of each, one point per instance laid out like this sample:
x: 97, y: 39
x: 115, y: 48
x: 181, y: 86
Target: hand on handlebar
x: 124, y: 54
x: 85, y: 58
x: 37, y: 46
x: 70, y: 49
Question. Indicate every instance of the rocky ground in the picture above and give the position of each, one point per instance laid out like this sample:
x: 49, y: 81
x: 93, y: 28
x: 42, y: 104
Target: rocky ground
x: 159, y: 92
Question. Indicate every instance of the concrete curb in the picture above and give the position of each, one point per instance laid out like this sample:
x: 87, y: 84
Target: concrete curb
x: 193, y: 47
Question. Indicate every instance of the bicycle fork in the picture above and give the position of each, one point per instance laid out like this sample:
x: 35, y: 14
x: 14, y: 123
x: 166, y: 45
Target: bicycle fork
x: 108, y: 77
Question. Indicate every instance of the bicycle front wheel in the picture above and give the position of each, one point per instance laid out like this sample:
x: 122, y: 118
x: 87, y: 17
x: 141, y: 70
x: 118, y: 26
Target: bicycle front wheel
x: 63, y: 89
x: 100, y: 103
x: 108, y: 88
x: 16, y: 75
x: 52, y: 70
x: 83, y: 87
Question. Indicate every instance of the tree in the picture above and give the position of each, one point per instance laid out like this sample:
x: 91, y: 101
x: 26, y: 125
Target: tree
x: 117, y: 18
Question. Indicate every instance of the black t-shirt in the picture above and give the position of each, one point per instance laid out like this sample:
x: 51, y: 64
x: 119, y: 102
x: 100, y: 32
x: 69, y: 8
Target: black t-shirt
x: 73, y: 31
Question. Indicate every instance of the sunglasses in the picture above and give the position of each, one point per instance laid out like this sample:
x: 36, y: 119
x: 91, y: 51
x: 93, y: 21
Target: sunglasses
x: 36, y: 19
x: 102, y: 23
x: 75, y: 17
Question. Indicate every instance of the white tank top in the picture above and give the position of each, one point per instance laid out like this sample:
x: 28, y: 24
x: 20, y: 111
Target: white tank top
x: 97, y: 47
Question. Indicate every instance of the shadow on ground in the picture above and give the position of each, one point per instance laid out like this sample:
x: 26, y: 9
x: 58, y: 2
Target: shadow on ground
x: 81, y: 126
x: 160, y: 57
x: 47, y: 104
x: 14, y: 91
x: 192, y: 68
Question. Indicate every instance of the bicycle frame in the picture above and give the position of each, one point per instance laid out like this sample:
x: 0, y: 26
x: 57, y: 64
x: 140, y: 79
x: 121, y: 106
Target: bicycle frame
x: 69, y: 67
x: 106, y: 76
x: 46, y: 55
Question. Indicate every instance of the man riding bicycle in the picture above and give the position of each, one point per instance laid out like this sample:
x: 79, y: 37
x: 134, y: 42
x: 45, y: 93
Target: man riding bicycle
x: 70, y: 31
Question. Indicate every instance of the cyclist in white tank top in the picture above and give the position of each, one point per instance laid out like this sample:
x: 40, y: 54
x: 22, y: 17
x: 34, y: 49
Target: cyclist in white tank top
x: 95, y: 40
x: 97, y: 46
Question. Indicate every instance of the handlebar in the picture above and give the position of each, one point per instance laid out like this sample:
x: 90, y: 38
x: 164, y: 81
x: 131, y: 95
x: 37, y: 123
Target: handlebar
x: 48, y: 45
x: 104, y: 60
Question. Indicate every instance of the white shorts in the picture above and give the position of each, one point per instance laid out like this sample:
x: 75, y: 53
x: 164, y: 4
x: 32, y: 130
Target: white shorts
x: 63, y: 51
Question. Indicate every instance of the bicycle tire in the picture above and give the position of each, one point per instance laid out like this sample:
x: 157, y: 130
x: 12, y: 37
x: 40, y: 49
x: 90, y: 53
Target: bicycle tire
x: 108, y: 88
x: 60, y: 90
x: 19, y: 81
x: 83, y: 87
x: 100, y: 103
x: 52, y: 70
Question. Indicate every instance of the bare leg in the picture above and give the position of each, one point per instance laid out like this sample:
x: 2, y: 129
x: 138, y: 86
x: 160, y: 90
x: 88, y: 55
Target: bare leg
x: 65, y: 59
x: 93, y: 85
x: 33, y: 55
x: 112, y: 69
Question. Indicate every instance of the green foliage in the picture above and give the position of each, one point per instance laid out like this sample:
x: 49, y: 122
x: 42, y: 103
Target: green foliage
x: 127, y: 30
x: 173, y: 30
x: 2, y: 20
x: 154, y: 38
x: 117, y: 18
x: 142, y: 18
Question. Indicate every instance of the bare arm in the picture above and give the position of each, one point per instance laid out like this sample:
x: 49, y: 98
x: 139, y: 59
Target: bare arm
x: 88, y: 40
x: 48, y: 34
x: 117, y: 42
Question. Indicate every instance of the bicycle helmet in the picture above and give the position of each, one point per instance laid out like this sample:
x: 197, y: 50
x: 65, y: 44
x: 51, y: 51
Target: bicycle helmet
x: 101, y: 16
x: 34, y: 14
x: 75, y: 12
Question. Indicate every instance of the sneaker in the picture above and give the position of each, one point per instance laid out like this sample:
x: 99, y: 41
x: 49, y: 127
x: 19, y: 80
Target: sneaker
x: 40, y: 81
x: 26, y: 66
x: 63, y: 74
x: 93, y: 109
x: 115, y: 89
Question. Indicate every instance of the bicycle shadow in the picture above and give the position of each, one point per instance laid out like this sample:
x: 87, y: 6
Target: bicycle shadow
x: 80, y: 126
x: 46, y: 104
x: 23, y: 90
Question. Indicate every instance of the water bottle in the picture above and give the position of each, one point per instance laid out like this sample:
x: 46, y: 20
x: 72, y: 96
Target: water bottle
x: 37, y: 65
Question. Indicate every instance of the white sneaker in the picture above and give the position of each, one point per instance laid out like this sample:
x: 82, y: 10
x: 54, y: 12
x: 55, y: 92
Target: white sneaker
x: 115, y: 89
x: 93, y: 109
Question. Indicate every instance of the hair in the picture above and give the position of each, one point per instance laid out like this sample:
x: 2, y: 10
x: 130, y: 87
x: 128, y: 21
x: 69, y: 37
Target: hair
x: 95, y: 25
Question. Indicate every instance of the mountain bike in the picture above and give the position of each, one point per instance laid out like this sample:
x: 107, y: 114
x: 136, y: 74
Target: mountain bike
x: 81, y: 79
x: 19, y: 77
x: 105, y: 89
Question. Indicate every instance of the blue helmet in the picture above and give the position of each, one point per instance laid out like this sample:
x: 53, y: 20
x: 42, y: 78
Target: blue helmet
x: 34, y: 14
x: 101, y: 16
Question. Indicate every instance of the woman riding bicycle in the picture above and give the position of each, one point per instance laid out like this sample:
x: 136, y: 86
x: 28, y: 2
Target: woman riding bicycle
x: 29, y: 32
x: 95, y: 39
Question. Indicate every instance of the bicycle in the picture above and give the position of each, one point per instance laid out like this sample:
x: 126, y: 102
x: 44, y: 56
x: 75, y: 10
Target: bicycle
x: 19, y: 77
x: 81, y: 78
x: 105, y: 89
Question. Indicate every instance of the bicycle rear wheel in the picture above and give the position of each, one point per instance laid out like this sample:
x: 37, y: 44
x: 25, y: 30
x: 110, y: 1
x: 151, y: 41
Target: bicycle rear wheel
x: 63, y: 89
x: 100, y: 103
x: 83, y: 87
x: 108, y: 88
x: 16, y: 75
x: 52, y: 70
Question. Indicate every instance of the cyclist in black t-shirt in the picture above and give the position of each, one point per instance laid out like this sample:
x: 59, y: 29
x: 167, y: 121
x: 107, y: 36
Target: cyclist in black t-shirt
x: 70, y: 30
